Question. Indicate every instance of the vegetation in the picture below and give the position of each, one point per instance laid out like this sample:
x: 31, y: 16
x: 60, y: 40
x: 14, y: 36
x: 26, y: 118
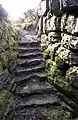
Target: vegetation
x: 56, y: 71
x: 28, y: 20
x: 8, y: 47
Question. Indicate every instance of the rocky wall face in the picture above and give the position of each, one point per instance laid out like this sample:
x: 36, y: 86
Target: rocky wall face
x: 8, y: 54
x: 58, y: 30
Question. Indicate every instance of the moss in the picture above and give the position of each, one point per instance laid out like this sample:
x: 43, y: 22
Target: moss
x: 3, y: 95
x: 1, y: 64
x: 53, y: 69
x: 59, y: 61
x: 4, y: 59
x: 49, y: 63
x: 47, y: 52
x: 5, y: 72
x: 56, y: 76
x: 9, y: 43
x: 56, y: 114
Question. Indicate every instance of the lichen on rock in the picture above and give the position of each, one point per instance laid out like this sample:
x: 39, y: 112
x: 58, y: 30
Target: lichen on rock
x: 8, y: 40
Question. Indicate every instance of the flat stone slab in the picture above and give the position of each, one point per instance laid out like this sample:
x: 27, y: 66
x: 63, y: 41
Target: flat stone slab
x: 31, y: 61
x: 42, y: 99
x: 36, y: 87
x: 42, y: 76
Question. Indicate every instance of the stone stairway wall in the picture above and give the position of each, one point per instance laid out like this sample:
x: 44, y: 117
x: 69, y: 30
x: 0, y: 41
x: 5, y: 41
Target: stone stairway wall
x: 58, y: 32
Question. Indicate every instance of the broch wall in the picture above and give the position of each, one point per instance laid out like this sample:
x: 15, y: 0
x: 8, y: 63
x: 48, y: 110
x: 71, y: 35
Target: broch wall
x: 58, y: 32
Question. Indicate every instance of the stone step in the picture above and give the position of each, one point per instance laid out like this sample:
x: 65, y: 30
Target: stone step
x: 30, y: 55
x: 32, y: 69
x: 22, y: 50
x: 34, y: 88
x: 30, y: 113
x: 28, y: 63
x: 28, y: 43
x: 36, y: 99
x: 31, y: 77
x: 29, y: 58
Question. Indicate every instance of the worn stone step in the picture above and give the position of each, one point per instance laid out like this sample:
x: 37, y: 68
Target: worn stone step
x: 32, y: 88
x: 22, y: 50
x: 32, y: 69
x: 30, y: 62
x: 36, y: 99
x: 32, y: 77
x: 30, y: 55
x: 28, y: 43
x: 30, y: 113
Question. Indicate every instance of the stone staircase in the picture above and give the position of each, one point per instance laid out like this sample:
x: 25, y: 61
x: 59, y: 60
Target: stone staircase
x: 33, y: 94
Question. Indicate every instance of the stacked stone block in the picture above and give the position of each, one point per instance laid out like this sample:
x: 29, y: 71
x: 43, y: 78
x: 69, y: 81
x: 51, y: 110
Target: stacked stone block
x: 58, y: 28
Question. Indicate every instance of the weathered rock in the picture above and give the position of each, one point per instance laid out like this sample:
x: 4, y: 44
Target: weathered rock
x: 70, y: 24
x: 60, y: 24
x: 63, y: 21
x: 44, y: 24
x: 68, y: 5
x: 72, y: 79
x: 53, y: 24
x: 44, y: 39
x: 70, y: 42
x: 58, y: 7
x: 40, y: 27
x: 72, y: 76
x: 67, y: 56
x: 54, y: 37
x: 43, y: 8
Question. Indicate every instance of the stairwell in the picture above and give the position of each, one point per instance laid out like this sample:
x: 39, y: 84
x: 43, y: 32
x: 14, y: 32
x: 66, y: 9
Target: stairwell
x: 33, y: 94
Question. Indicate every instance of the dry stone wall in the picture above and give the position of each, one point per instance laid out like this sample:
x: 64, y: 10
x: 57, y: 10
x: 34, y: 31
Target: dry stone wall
x: 58, y: 32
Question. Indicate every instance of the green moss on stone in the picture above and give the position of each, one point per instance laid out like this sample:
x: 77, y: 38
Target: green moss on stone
x: 3, y: 96
x: 57, y: 114
x: 56, y: 75
x: 47, y: 52
x: 59, y: 61
x: 9, y: 43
